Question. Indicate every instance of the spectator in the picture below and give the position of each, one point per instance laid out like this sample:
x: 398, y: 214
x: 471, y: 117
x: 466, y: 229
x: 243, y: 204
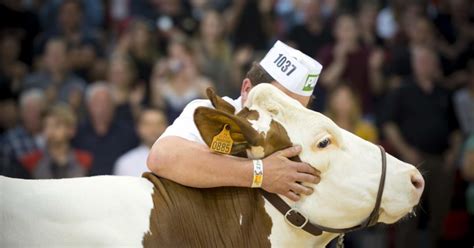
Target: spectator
x: 12, y: 69
x: 151, y: 124
x: 453, y: 21
x: 140, y: 44
x: 251, y: 23
x: 58, y: 159
x: 128, y: 93
x: 242, y: 60
x: 347, y: 60
x: 419, y: 33
x: 171, y: 16
x: 388, y: 19
x: 104, y: 136
x: 12, y: 73
x: 55, y: 77
x: 367, y: 18
x: 421, y: 125
x: 313, y: 33
x: 214, y: 54
x: 464, y: 103
x: 25, y: 138
x: 178, y: 80
x: 93, y: 12
x: 344, y: 108
x: 83, y: 47
x: 21, y: 23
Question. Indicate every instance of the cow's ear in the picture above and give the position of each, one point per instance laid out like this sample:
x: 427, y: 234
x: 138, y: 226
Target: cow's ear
x: 218, y: 102
x: 210, y: 122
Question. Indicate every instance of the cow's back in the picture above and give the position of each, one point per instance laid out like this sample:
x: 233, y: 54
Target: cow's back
x: 100, y: 211
x: 216, y: 217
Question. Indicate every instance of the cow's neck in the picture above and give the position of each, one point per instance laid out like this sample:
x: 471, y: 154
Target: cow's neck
x: 284, y: 235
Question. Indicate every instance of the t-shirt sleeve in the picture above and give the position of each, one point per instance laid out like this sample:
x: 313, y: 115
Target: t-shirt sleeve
x: 184, y: 125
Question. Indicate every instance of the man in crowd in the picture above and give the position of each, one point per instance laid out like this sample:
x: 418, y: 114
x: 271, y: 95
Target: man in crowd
x: 103, y: 135
x: 419, y: 119
x: 25, y: 138
x: 55, y: 78
x: 150, y: 125
x: 182, y: 156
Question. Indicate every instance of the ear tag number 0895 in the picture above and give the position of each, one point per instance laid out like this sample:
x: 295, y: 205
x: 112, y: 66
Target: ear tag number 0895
x: 222, y: 143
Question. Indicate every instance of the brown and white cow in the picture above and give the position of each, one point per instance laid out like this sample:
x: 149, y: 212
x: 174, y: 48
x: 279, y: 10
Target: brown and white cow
x: 107, y: 211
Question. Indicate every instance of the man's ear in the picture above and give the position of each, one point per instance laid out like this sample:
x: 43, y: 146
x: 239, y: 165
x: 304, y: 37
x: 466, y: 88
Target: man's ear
x: 218, y: 102
x: 210, y: 122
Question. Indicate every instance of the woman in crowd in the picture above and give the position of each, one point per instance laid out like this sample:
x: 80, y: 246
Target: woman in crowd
x: 177, y: 80
x: 140, y: 45
x: 128, y: 93
x: 344, y: 108
x: 214, y: 54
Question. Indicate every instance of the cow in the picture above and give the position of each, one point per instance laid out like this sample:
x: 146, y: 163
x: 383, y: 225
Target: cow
x: 110, y: 211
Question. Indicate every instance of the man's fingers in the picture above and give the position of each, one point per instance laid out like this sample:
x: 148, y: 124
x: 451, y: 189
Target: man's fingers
x: 307, y: 178
x: 292, y: 196
x: 306, y: 168
x: 291, y: 151
x: 300, y: 189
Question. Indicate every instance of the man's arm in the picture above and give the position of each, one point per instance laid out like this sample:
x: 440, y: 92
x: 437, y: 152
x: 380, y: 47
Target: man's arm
x: 192, y: 164
x: 407, y: 152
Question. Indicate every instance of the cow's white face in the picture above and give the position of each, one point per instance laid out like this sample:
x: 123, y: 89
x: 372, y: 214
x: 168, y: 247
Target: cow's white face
x: 350, y: 166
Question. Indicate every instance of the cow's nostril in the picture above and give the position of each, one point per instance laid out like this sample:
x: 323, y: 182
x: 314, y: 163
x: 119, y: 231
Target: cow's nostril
x: 418, y: 181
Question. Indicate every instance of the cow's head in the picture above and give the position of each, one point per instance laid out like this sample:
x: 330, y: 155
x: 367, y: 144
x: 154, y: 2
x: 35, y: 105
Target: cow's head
x: 350, y: 166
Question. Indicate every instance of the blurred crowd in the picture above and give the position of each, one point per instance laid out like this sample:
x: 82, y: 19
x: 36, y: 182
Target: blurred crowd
x: 87, y: 86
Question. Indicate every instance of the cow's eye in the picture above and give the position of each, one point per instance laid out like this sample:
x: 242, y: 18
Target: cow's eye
x: 323, y: 143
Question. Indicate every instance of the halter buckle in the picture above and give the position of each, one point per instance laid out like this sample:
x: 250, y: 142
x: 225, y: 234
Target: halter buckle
x: 295, y: 211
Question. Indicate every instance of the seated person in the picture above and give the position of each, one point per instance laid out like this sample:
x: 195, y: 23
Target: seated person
x: 150, y: 125
x: 58, y: 159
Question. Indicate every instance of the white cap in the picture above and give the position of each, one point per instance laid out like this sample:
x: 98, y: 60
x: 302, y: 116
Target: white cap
x: 293, y: 69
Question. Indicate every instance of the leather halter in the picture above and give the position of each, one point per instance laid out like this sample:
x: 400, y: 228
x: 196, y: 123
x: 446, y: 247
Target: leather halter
x: 296, y: 219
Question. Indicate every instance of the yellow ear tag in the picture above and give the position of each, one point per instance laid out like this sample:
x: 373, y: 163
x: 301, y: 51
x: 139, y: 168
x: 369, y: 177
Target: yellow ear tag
x: 222, y: 143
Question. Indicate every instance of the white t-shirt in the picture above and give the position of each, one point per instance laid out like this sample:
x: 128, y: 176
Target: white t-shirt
x: 133, y: 162
x: 184, y: 125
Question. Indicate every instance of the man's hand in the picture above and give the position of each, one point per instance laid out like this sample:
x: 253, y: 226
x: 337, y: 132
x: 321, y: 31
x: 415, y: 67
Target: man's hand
x: 282, y: 176
x: 411, y: 155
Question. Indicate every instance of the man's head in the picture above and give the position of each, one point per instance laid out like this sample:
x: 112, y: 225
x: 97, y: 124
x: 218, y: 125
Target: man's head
x: 346, y: 29
x: 55, y: 56
x: 59, y: 124
x: 288, y: 69
x: 32, y: 104
x: 70, y: 15
x: 151, y: 124
x: 121, y: 72
x: 311, y: 10
x: 100, y: 103
x: 425, y: 63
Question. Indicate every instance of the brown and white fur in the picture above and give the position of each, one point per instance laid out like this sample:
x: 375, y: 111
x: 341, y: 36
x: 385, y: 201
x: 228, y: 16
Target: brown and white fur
x: 108, y: 211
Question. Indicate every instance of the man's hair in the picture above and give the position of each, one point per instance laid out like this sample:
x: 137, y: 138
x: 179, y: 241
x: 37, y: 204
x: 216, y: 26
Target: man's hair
x: 96, y: 87
x: 32, y: 94
x: 258, y: 75
x: 151, y: 109
x: 63, y: 113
